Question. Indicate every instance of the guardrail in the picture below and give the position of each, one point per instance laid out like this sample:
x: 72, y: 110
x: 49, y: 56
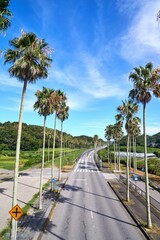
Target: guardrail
x: 140, y: 192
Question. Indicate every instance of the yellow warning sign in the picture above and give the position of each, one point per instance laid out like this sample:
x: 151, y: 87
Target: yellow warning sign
x: 16, y: 212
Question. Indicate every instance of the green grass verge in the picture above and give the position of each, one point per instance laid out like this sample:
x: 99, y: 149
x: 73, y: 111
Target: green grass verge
x: 32, y: 158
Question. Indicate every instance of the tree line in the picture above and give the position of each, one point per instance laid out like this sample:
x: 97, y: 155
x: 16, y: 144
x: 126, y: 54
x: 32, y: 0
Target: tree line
x: 146, y: 82
x: 32, y: 138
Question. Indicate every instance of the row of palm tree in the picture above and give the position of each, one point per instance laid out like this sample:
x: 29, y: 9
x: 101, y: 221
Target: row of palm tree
x: 146, y: 81
x: 48, y: 102
x: 30, y: 60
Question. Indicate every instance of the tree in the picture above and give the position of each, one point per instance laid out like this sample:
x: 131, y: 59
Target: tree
x: 62, y: 115
x: 5, y: 15
x: 58, y: 98
x: 45, y: 108
x: 126, y: 112
x: 135, y: 131
x: 30, y: 60
x: 109, y: 136
x: 145, y: 81
x: 117, y: 135
x: 95, y: 140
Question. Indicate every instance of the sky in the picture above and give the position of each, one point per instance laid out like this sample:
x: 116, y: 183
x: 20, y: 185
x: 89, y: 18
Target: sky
x: 96, y: 44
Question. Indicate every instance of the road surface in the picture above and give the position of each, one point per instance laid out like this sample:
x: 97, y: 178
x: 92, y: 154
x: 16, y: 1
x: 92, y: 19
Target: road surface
x: 89, y: 210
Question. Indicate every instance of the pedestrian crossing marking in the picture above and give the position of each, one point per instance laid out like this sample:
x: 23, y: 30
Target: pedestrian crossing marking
x: 86, y: 170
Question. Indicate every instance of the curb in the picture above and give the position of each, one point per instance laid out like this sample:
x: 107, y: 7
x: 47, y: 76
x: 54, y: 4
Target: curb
x: 148, y: 237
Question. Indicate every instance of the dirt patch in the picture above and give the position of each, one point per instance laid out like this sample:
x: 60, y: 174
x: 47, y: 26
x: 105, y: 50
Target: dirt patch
x: 67, y: 168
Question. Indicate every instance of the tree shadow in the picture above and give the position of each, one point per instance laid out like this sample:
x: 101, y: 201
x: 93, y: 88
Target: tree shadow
x: 73, y: 188
x: 7, y: 179
x: 36, y: 220
x: 27, y: 185
x: 2, y: 190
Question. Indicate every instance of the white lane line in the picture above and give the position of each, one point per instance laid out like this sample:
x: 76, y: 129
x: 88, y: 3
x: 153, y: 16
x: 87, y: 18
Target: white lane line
x: 91, y: 214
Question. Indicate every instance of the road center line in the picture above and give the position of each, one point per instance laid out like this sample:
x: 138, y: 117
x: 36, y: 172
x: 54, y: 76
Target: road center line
x: 91, y: 214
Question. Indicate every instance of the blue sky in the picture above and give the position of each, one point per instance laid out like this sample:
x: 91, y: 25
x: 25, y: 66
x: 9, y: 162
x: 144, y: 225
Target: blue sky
x: 96, y: 45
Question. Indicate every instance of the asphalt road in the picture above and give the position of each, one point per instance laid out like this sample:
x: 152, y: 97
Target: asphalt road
x: 88, y: 209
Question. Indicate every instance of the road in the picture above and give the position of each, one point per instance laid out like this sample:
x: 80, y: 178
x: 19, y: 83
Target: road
x: 88, y: 209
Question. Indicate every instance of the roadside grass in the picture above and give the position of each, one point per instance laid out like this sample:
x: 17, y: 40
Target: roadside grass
x: 32, y: 158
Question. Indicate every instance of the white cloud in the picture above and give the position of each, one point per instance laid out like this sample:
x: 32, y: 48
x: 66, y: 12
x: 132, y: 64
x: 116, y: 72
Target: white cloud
x: 11, y: 82
x: 14, y: 104
x: 143, y: 36
x: 87, y: 75
x: 152, y: 130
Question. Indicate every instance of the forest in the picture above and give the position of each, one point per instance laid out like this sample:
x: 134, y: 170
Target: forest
x: 32, y: 137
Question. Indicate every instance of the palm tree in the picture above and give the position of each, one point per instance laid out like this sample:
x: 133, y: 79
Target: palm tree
x: 145, y: 81
x: 118, y: 133
x: 126, y: 111
x: 134, y: 130
x: 30, y: 62
x: 5, y: 15
x: 95, y: 141
x: 45, y: 108
x: 109, y: 136
x: 137, y: 132
x: 62, y: 115
x: 49, y: 136
x: 58, y: 97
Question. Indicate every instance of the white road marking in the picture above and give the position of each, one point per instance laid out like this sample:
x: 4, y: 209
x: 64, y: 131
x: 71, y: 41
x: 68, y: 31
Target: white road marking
x: 91, y: 214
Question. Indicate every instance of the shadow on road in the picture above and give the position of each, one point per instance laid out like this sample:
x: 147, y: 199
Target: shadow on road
x: 72, y: 188
x: 2, y: 190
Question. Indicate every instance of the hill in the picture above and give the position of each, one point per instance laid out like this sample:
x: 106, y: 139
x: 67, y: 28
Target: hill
x: 32, y: 136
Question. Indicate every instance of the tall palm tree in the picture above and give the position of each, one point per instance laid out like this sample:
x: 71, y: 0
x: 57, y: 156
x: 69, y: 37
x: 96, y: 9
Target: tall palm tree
x: 45, y: 108
x: 58, y: 97
x: 126, y: 112
x: 117, y: 133
x: 95, y: 141
x: 5, y: 15
x: 109, y: 136
x: 62, y: 115
x: 30, y: 60
x: 134, y: 130
x: 49, y: 136
x: 146, y: 81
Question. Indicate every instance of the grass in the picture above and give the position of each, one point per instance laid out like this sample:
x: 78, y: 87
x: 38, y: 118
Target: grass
x: 31, y: 158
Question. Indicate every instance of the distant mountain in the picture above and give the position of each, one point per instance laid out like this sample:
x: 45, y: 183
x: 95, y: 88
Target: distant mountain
x: 32, y: 136
x: 153, y: 140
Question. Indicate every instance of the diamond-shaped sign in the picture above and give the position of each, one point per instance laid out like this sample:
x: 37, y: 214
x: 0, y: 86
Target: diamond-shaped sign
x: 16, y: 212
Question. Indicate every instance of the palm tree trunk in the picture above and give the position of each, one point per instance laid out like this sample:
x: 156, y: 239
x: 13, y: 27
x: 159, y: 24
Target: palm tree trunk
x: 16, y: 170
x: 133, y: 146
x: 149, y: 222
x: 48, y: 147
x: 127, y: 171
x: 108, y: 152
x: 42, y: 166
x: 53, y: 151
x: 119, y: 158
x: 60, y: 162
x: 135, y: 156
x: 114, y: 155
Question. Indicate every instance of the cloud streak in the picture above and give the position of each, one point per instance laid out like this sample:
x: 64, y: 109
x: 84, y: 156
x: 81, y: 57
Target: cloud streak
x: 143, y: 35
